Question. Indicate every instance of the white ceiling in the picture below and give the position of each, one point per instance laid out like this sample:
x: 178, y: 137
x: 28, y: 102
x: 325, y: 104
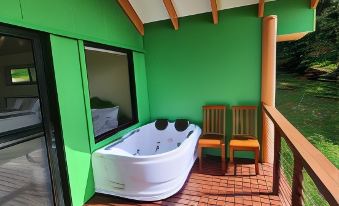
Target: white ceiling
x: 154, y: 10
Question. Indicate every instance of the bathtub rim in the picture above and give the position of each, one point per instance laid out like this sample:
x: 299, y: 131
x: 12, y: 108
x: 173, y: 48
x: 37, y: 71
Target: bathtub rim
x: 103, y: 150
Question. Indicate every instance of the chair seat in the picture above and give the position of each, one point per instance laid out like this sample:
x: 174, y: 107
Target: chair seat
x: 244, y: 143
x: 211, y: 139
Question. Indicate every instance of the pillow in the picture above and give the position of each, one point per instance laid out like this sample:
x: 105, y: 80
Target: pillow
x: 108, y: 113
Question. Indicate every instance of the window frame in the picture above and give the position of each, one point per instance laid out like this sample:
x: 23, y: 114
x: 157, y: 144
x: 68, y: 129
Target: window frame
x: 23, y: 66
x: 132, y: 86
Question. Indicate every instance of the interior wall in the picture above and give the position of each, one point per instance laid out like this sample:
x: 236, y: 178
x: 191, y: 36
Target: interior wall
x: 203, y: 63
x: 7, y: 90
x: 108, y: 77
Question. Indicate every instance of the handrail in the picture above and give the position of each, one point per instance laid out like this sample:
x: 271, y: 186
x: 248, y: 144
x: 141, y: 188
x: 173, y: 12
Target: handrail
x: 324, y: 174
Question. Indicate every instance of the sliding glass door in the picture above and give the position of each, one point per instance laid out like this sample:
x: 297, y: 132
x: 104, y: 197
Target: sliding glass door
x: 32, y: 165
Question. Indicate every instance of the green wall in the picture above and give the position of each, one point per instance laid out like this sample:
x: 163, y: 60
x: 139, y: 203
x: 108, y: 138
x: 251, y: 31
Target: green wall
x: 203, y: 63
x: 73, y: 117
x: 103, y: 22
x: 293, y: 15
x: 75, y: 112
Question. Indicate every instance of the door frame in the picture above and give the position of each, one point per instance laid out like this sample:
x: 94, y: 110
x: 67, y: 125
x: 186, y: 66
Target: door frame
x: 46, y: 83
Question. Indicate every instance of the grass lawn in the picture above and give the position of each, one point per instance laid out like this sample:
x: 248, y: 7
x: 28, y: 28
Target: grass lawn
x: 312, y: 107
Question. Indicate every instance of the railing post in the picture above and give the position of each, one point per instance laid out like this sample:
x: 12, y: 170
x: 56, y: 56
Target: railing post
x: 276, y: 163
x: 297, y: 184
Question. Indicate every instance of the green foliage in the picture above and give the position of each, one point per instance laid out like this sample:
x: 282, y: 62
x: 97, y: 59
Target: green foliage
x: 318, y: 49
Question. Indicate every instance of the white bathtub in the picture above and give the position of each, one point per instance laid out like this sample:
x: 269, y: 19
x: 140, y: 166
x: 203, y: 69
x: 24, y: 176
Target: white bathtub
x: 147, y: 164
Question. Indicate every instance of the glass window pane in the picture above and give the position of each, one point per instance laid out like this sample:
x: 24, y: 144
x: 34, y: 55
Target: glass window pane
x: 111, y: 92
x: 20, y: 75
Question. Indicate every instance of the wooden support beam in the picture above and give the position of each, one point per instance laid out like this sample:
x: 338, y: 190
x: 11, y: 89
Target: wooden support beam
x: 261, y: 8
x: 314, y: 4
x: 172, y: 13
x: 133, y: 16
x: 291, y: 37
x: 214, y: 8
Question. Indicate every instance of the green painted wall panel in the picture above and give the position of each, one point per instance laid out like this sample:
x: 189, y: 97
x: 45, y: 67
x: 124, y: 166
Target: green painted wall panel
x: 99, y: 21
x: 293, y: 15
x: 203, y: 63
x: 73, y: 117
x: 10, y: 10
x: 73, y: 94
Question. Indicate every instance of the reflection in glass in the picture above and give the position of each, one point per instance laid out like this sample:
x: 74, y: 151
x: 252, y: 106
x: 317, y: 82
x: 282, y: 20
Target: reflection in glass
x: 110, y: 89
x: 24, y: 169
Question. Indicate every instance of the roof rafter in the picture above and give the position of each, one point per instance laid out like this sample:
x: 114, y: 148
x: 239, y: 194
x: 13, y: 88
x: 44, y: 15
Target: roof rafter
x: 133, y: 16
x: 314, y: 4
x: 172, y: 13
x: 214, y: 7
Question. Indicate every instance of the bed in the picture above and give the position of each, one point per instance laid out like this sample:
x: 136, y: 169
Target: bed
x: 20, y: 113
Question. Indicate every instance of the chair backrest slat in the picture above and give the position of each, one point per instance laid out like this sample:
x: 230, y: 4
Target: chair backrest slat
x: 214, y: 120
x: 244, y: 121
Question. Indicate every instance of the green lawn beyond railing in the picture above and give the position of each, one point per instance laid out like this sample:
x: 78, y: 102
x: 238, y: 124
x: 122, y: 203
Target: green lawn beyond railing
x: 312, y: 107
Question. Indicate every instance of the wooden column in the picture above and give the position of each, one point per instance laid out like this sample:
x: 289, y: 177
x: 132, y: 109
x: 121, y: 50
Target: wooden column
x: 268, y: 81
x: 297, y: 184
x: 276, y: 165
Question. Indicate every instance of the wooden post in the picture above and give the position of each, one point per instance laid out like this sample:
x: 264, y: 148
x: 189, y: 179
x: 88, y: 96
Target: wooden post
x: 276, y: 164
x: 268, y: 78
x: 297, y: 184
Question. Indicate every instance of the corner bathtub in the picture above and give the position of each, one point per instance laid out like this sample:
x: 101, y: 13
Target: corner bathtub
x: 149, y: 163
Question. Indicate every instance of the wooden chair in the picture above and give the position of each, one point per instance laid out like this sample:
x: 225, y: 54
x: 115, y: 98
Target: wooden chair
x: 244, y: 132
x: 213, y: 133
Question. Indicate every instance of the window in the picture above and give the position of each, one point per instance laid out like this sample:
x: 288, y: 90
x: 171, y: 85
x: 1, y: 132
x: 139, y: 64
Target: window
x: 22, y: 75
x: 112, y: 89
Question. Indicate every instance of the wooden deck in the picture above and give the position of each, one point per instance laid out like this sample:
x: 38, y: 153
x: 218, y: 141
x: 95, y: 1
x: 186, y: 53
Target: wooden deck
x: 211, y: 187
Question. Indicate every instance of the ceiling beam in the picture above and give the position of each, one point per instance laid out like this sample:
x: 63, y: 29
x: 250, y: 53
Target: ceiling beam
x: 261, y: 8
x: 133, y: 16
x: 214, y: 8
x: 172, y: 13
x: 314, y: 4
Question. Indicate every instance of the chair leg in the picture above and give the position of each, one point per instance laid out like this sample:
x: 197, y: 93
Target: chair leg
x: 223, y: 157
x: 232, y: 160
x: 200, y: 157
x: 256, y: 161
x: 231, y: 154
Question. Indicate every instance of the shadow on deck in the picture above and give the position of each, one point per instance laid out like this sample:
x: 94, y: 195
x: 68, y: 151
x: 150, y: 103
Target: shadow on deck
x: 211, y: 187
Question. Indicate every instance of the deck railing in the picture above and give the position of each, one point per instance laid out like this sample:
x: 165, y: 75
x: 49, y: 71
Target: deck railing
x: 305, y: 156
